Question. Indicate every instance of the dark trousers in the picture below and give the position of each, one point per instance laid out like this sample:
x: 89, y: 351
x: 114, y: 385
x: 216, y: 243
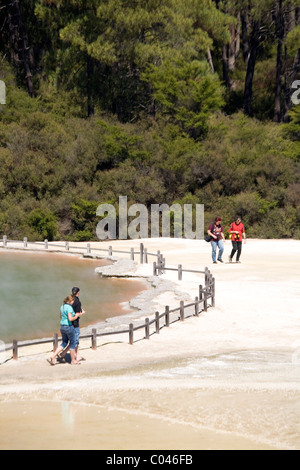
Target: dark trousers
x: 236, y: 246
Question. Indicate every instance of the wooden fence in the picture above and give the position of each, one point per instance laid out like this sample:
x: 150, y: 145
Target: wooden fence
x: 159, y: 320
x: 88, y: 250
x: 159, y: 267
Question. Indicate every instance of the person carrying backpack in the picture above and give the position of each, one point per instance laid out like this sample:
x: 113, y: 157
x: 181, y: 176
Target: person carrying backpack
x: 216, y: 233
x: 237, y: 232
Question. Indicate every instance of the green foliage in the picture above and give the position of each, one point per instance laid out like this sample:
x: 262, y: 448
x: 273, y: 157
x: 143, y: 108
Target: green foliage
x: 127, y: 104
x: 54, y: 174
x: 83, y: 219
x: 187, y: 92
x: 114, y: 42
x: 42, y: 224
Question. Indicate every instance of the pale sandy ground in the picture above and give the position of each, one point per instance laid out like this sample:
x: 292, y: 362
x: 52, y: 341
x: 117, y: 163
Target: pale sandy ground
x: 227, y: 379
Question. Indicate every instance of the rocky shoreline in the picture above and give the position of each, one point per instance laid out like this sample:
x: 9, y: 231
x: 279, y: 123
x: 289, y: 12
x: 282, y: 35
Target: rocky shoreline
x: 147, y: 302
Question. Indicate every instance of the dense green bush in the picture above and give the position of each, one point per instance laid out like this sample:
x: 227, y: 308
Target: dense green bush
x: 53, y: 176
x: 42, y: 224
x: 147, y: 100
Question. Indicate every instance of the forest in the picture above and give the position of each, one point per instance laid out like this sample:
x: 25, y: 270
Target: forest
x: 162, y: 101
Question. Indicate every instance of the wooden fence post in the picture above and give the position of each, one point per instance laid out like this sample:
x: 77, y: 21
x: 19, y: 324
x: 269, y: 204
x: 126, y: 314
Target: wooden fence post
x: 157, y: 322
x: 180, y: 272
x: 146, y: 255
x: 196, y: 306
x: 208, y: 284
x: 167, y: 315
x: 4, y: 240
x: 110, y: 251
x: 206, y: 276
x: 25, y: 242
x: 55, y: 341
x: 94, y: 339
x: 131, y: 333
x: 205, y: 300
x: 132, y: 254
x: 46, y: 244
x: 162, y: 264
x: 158, y: 263
x: 67, y: 246
x: 141, y: 253
x: 181, y: 310
x: 213, y: 292
x: 15, y: 349
x: 200, y: 292
x: 147, y: 328
x: 154, y: 268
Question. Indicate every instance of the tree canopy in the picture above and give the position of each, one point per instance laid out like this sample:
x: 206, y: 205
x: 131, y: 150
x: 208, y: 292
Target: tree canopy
x: 162, y: 101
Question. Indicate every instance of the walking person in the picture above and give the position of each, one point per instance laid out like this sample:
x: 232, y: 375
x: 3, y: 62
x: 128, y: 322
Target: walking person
x: 77, y: 309
x: 216, y: 232
x: 67, y: 330
x: 237, y: 232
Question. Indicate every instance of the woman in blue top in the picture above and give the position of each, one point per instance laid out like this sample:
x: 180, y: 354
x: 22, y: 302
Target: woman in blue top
x: 67, y: 331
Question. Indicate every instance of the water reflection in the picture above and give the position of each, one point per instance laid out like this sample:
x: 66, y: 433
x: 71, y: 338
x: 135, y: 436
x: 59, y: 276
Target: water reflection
x: 68, y: 411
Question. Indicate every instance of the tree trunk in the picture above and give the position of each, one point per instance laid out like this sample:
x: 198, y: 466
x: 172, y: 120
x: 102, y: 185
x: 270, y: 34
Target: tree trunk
x: 225, y: 66
x: 19, y: 49
x: 280, y: 38
x: 230, y: 53
x: 210, y: 61
x: 254, y: 43
x: 245, y: 38
x: 232, y: 49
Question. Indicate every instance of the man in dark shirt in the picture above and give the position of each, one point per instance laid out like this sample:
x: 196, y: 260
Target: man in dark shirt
x: 77, y: 308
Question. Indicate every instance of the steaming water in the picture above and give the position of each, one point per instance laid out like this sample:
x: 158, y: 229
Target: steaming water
x: 33, y: 286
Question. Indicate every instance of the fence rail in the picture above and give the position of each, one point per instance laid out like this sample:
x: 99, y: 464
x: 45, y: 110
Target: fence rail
x: 89, y: 250
x: 159, y: 267
x: 206, y: 293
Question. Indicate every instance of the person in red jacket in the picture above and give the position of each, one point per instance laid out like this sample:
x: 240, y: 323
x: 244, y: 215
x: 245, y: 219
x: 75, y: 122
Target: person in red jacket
x: 237, y: 232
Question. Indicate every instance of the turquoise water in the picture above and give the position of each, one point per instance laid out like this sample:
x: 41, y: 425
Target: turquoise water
x: 33, y: 286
